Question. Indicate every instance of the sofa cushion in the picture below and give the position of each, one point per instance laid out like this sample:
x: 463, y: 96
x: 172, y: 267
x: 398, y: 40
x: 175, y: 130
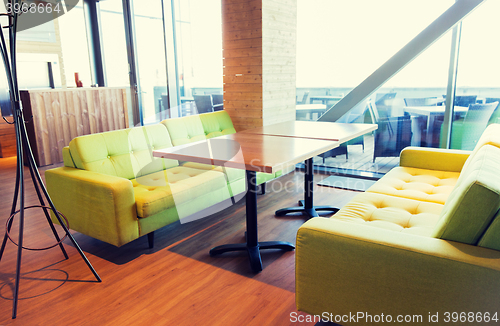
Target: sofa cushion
x: 125, y: 153
x: 161, y: 190
x: 392, y: 213
x: 232, y: 173
x: 420, y: 184
x: 491, y: 237
x: 217, y: 124
x: 474, y: 200
x: 490, y: 136
x: 185, y: 130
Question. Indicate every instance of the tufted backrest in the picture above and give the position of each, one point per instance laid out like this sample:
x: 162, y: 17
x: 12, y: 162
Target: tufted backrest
x: 185, y: 130
x: 475, y: 199
x: 217, y: 124
x: 125, y: 153
x: 490, y: 136
x: 199, y: 127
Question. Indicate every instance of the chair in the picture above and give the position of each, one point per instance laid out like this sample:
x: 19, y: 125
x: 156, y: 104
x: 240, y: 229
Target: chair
x: 383, y: 101
x: 421, y: 121
x: 358, y: 114
x: 304, y: 98
x: 392, y: 135
x: 422, y: 101
x: 474, y: 123
x: 465, y: 100
x: 203, y: 103
x: 218, y: 102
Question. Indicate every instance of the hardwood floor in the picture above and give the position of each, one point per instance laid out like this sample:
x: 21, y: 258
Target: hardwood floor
x: 176, y: 283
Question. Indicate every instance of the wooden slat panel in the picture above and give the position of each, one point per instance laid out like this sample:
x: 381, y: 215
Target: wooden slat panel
x: 242, y: 43
x: 60, y: 115
x: 244, y: 79
x: 242, y: 25
x: 56, y: 146
x: 241, y: 7
x: 243, y: 15
x: 51, y: 127
x: 124, y: 108
x: 41, y: 128
x: 86, y: 107
x: 7, y: 139
x: 245, y: 70
x: 242, y: 34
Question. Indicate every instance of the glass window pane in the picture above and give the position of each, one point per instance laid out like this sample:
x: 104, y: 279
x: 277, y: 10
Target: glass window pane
x: 150, y: 46
x: 114, y: 43
x: 75, y: 54
x: 199, y: 54
x: 339, y: 45
x: 477, y: 79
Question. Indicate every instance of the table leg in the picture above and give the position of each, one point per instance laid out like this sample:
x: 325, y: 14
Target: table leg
x: 252, y: 245
x: 306, y: 206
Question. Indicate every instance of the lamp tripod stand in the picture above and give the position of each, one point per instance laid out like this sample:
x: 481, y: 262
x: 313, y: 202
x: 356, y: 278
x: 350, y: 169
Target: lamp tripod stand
x: 23, y: 147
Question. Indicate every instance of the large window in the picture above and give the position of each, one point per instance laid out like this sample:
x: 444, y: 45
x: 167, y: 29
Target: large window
x: 478, y: 85
x: 341, y: 43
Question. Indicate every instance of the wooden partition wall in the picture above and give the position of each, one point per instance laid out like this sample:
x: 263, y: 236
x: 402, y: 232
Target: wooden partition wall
x: 7, y: 139
x: 60, y: 115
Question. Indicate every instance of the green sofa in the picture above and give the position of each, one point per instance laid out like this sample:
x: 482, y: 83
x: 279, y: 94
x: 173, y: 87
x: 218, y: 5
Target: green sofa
x: 111, y: 187
x: 422, y: 242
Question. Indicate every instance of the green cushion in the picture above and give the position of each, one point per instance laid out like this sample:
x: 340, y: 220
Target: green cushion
x: 217, y: 124
x: 185, y: 130
x: 491, y: 237
x: 474, y: 201
x: 124, y: 153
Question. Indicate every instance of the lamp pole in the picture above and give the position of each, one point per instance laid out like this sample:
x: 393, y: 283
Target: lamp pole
x: 14, y: 9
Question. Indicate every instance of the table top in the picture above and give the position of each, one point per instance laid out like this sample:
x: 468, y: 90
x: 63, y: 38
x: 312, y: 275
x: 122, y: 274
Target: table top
x: 433, y: 109
x: 335, y: 131
x: 326, y: 97
x: 311, y: 107
x: 252, y: 152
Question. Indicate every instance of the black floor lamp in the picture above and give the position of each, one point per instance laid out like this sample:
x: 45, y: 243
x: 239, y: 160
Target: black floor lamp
x: 14, y: 9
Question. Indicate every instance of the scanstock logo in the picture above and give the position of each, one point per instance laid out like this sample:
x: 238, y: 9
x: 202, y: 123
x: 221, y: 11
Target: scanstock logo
x: 37, y: 12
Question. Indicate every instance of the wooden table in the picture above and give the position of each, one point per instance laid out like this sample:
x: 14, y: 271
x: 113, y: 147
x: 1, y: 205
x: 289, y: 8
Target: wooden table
x: 309, y: 109
x: 253, y: 153
x: 325, y: 99
x: 431, y: 112
x: 319, y: 130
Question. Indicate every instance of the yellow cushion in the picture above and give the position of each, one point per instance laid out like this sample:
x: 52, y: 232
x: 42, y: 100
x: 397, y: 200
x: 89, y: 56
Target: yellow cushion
x: 474, y: 200
x: 158, y: 191
x: 420, y: 184
x: 392, y: 213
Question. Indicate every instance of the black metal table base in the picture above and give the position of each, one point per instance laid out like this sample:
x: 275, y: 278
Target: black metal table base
x: 306, y: 206
x: 252, y: 245
x: 253, y: 252
x: 310, y: 212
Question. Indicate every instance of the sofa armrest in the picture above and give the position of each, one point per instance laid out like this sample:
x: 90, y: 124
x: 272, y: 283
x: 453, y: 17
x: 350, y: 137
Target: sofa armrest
x: 98, y: 205
x: 345, y: 267
x: 451, y: 160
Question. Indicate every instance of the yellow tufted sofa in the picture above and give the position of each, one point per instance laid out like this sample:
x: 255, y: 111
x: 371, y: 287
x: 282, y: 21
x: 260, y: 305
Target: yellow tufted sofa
x: 111, y: 187
x: 422, y: 243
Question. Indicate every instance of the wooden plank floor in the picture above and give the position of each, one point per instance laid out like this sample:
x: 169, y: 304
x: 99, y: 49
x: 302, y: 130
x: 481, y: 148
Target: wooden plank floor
x: 176, y: 283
